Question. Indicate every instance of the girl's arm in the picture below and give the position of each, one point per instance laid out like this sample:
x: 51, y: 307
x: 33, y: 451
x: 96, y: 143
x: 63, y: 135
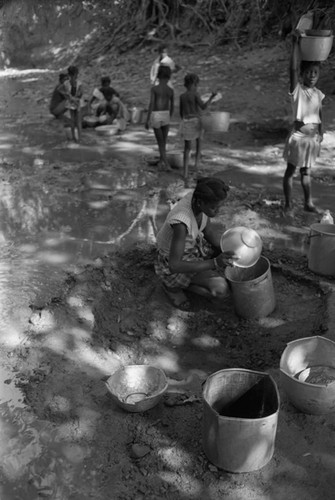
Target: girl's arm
x: 201, y: 103
x: 177, y: 249
x: 154, y: 71
x: 294, y: 64
x: 63, y: 90
x: 174, y: 67
x: 151, y: 105
x: 320, y: 125
x: 69, y: 96
x: 79, y: 92
x: 94, y: 97
x: 115, y: 92
x: 212, y: 235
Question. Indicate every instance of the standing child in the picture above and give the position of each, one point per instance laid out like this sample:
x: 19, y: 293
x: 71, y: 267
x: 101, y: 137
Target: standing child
x: 75, y: 102
x: 163, y: 59
x: 160, y: 112
x: 303, y: 144
x: 190, y: 108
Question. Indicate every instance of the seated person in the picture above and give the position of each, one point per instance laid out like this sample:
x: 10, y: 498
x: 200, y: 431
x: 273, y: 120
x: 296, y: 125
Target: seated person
x: 58, y: 103
x: 105, y: 100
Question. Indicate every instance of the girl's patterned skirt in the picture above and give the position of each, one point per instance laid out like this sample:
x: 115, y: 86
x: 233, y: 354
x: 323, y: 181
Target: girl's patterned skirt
x: 301, y: 150
x: 190, y: 129
x: 201, y: 251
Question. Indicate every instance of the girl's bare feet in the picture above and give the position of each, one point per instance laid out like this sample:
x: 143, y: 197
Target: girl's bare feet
x: 167, y: 166
x: 287, y: 210
x: 177, y: 297
x: 164, y: 166
x: 313, y: 209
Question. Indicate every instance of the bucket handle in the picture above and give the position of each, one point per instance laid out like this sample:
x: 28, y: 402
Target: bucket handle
x: 310, y: 235
x: 261, y: 281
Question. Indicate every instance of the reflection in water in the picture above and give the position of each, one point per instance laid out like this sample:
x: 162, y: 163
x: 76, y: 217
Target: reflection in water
x: 34, y: 464
x: 49, y: 225
x: 45, y: 233
x: 10, y: 395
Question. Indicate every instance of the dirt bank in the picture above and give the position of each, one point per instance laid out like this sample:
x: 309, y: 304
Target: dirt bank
x: 37, y: 36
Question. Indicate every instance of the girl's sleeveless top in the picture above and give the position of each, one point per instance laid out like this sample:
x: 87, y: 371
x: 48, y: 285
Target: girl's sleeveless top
x: 306, y: 104
x: 181, y: 213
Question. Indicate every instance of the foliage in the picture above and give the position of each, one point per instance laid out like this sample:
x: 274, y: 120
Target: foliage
x: 125, y: 24
x: 130, y: 23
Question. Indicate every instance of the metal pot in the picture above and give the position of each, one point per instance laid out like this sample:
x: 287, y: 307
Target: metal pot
x: 136, y: 115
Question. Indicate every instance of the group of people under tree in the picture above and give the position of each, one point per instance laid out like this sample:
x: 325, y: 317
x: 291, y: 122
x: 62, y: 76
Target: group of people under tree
x: 189, y: 256
x: 104, y: 103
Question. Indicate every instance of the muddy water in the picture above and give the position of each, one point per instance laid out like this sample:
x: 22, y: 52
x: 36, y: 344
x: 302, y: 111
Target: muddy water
x: 46, y: 231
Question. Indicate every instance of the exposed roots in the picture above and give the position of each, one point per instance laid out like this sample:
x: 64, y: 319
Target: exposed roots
x: 188, y: 23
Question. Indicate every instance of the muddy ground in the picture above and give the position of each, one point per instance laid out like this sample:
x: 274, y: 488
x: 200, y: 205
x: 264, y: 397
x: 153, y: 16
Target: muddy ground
x: 71, y: 440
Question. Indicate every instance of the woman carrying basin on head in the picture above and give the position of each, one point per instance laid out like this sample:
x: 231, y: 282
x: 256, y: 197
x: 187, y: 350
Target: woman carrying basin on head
x: 163, y: 59
x: 188, y: 246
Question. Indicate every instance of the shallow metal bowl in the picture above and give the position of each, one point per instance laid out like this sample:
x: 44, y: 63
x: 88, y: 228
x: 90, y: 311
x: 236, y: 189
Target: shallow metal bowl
x: 108, y: 129
x: 137, y: 388
x: 307, y: 374
x: 244, y: 242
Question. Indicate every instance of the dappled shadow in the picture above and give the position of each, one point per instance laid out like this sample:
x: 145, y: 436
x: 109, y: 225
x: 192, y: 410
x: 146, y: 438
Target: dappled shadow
x: 208, y: 338
x: 114, y: 312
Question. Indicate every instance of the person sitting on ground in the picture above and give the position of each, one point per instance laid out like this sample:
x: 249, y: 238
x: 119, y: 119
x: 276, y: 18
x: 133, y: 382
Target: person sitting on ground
x: 163, y: 59
x: 304, y: 141
x: 105, y: 100
x: 190, y: 107
x: 189, y: 256
x: 107, y: 105
x: 160, y: 112
x: 59, y: 97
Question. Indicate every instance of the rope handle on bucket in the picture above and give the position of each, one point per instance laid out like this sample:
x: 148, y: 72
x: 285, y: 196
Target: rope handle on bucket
x: 258, y: 282
x: 310, y: 235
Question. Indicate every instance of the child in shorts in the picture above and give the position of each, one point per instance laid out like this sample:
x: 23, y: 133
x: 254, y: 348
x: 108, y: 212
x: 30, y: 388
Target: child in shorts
x: 75, y: 101
x: 190, y: 107
x: 160, y: 111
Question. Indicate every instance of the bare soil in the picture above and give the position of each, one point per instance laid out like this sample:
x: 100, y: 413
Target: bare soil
x: 114, y: 312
